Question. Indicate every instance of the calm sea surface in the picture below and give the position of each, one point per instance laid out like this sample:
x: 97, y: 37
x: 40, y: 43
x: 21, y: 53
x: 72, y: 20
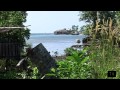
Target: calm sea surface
x: 54, y: 42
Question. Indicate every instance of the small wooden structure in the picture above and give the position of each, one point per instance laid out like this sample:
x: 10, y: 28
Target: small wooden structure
x: 9, y: 48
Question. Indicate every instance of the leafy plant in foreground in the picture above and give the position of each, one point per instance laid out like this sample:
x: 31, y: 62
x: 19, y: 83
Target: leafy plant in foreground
x: 75, y: 66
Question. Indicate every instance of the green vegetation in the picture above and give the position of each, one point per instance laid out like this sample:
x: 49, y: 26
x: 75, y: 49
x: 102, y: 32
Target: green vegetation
x: 95, y: 61
x: 74, y: 30
x: 14, y: 19
x: 105, y: 52
x: 92, y: 62
x: 90, y: 18
x: 75, y: 66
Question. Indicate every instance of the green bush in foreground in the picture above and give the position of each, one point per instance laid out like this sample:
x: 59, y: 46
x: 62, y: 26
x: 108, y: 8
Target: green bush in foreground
x: 76, y: 66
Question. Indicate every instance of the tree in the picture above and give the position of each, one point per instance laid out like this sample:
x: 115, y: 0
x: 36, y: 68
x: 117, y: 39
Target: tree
x: 74, y: 28
x: 15, y: 19
x: 90, y: 17
x: 85, y: 29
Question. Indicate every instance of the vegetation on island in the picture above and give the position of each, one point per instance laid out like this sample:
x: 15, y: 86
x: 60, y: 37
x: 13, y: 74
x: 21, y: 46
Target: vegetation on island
x: 73, y: 31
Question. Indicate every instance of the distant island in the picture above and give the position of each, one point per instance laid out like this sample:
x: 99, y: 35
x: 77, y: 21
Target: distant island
x: 67, y: 32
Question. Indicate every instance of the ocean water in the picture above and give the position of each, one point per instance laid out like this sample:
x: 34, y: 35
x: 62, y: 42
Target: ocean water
x: 54, y: 42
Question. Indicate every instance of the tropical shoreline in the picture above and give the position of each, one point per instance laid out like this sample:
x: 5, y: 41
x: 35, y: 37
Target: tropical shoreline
x: 53, y: 42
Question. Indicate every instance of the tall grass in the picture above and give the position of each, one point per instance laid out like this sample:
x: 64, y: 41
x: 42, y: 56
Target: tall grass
x: 105, y: 54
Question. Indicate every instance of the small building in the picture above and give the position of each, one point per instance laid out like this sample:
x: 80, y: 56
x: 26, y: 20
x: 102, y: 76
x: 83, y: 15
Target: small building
x: 8, y: 47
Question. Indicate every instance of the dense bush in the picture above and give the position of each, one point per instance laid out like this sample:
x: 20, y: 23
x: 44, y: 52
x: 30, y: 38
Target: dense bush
x: 68, y: 51
x: 105, y: 53
x: 76, y: 66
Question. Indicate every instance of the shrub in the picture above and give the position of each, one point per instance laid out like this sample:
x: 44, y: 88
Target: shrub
x: 75, y: 66
x: 105, y: 53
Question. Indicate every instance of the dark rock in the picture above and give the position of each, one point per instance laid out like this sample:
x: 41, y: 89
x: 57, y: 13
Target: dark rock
x: 85, y: 40
x: 42, y: 58
x: 78, y: 41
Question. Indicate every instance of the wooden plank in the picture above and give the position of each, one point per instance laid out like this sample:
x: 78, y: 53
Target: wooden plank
x: 3, y: 49
x: 9, y: 50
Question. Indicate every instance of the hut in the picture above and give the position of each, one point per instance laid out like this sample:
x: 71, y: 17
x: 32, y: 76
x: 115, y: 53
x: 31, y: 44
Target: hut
x: 9, y: 46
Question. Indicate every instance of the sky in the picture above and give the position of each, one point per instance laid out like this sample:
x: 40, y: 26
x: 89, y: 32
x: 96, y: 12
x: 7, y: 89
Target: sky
x: 49, y: 21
